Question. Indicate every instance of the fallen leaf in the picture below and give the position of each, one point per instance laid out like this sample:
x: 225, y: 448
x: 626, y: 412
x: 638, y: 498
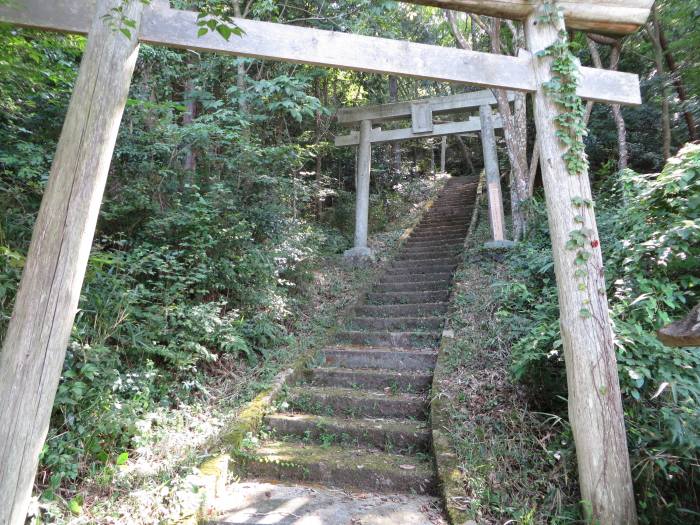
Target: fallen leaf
x: 407, y: 467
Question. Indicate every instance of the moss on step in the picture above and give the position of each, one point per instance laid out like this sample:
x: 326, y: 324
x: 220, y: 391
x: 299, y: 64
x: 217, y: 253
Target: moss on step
x: 338, y: 466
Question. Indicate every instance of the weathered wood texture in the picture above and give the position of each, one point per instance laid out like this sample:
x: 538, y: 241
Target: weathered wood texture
x: 595, y: 405
x: 176, y: 28
x: 685, y: 332
x: 395, y: 135
x: 493, y: 175
x: 34, y: 348
x: 616, y: 17
x: 402, y: 110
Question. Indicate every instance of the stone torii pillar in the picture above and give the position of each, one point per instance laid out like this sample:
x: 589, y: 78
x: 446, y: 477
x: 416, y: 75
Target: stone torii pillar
x: 422, y: 126
x: 443, y: 154
x: 493, y: 179
x: 362, y: 180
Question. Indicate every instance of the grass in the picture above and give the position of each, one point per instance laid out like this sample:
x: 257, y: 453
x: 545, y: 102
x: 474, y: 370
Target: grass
x: 509, y: 458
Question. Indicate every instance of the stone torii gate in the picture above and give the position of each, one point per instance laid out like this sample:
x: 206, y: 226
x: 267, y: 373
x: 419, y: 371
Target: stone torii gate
x: 422, y: 126
x: 37, y: 335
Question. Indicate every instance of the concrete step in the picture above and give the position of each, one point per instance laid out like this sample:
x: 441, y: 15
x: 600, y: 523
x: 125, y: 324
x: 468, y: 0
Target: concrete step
x: 342, y: 467
x: 401, y: 324
x: 370, y: 379
x: 440, y: 215
x: 427, y: 254
x: 464, y: 222
x: 349, y: 402
x: 422, y: 241
x: 392, y: 435
x: 397, y: 323
x: 441, y: 230
x: 393, y: 275
x: 420, y: 286
x: 407, y: 297
x: 438, y: 260
x: 438, y: 251
x: 384, y: 358
x: 414, y: 339
x: 402, y: 310
x: 450, y: 217
x: 438, y: 236
x: 445, y: 237
x: 433, y: 245
x: 437, y: 216
x: 424, y: 267
x: 412, y: 278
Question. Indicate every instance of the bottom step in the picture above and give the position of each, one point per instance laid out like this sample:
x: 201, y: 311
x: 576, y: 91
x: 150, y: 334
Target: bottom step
x: 342, y: 467
x: 256, y: 503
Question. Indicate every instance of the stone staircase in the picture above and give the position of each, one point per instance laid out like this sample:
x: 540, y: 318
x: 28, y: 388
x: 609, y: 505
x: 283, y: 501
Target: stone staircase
x: 359, y: 419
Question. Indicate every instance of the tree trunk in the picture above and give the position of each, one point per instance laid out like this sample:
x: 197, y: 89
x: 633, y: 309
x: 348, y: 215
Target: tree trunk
x: 240, y: 68
x: 190, y: 165
x: 37, y: 336
x: 622, y: 154
x: 515, y: 133
x: 616, y: 111
x: 394, y: 147
x: 534, y: 163
x: 595, y: 404
x: 319, y: 157
x: 467, y: 155
x: 653, y: 32
x: 678, y: 84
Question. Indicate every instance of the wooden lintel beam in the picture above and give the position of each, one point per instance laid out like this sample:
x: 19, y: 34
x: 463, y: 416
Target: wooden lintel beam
x: 401, y: 110
x: 266, y: 40
x: 612, y: 17
x: 379, y: 135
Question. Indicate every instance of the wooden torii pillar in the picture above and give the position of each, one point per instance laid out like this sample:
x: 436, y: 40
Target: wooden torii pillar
x: 421, y: 114
x: 34, y: 348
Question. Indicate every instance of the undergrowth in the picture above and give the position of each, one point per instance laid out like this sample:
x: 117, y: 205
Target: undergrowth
x: 650, y: 233
x: 515, y: 461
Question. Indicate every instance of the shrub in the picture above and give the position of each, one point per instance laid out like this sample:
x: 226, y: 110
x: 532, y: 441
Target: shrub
x: 650, y: 227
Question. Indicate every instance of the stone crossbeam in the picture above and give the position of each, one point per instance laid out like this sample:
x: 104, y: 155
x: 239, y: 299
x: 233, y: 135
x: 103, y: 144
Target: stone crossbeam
x: 401, y: 110
x: 266, y: 40
x: 379, y: 135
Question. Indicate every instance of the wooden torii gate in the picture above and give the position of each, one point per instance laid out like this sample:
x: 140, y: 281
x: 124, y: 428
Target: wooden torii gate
x: 422, y: 126
x: 34, y: 347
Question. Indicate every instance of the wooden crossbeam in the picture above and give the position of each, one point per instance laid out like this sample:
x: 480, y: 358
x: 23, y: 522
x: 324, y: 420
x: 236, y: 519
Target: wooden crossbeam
x: 379, y: 135
x: 177, y: 28
x: 613, y: 17
x: 401, y: 110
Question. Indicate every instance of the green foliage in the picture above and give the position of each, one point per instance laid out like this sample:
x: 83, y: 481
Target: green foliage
x: 651, y: 236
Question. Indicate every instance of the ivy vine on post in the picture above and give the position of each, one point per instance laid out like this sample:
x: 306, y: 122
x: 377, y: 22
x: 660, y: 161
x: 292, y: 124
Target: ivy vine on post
x: 572, y: 130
